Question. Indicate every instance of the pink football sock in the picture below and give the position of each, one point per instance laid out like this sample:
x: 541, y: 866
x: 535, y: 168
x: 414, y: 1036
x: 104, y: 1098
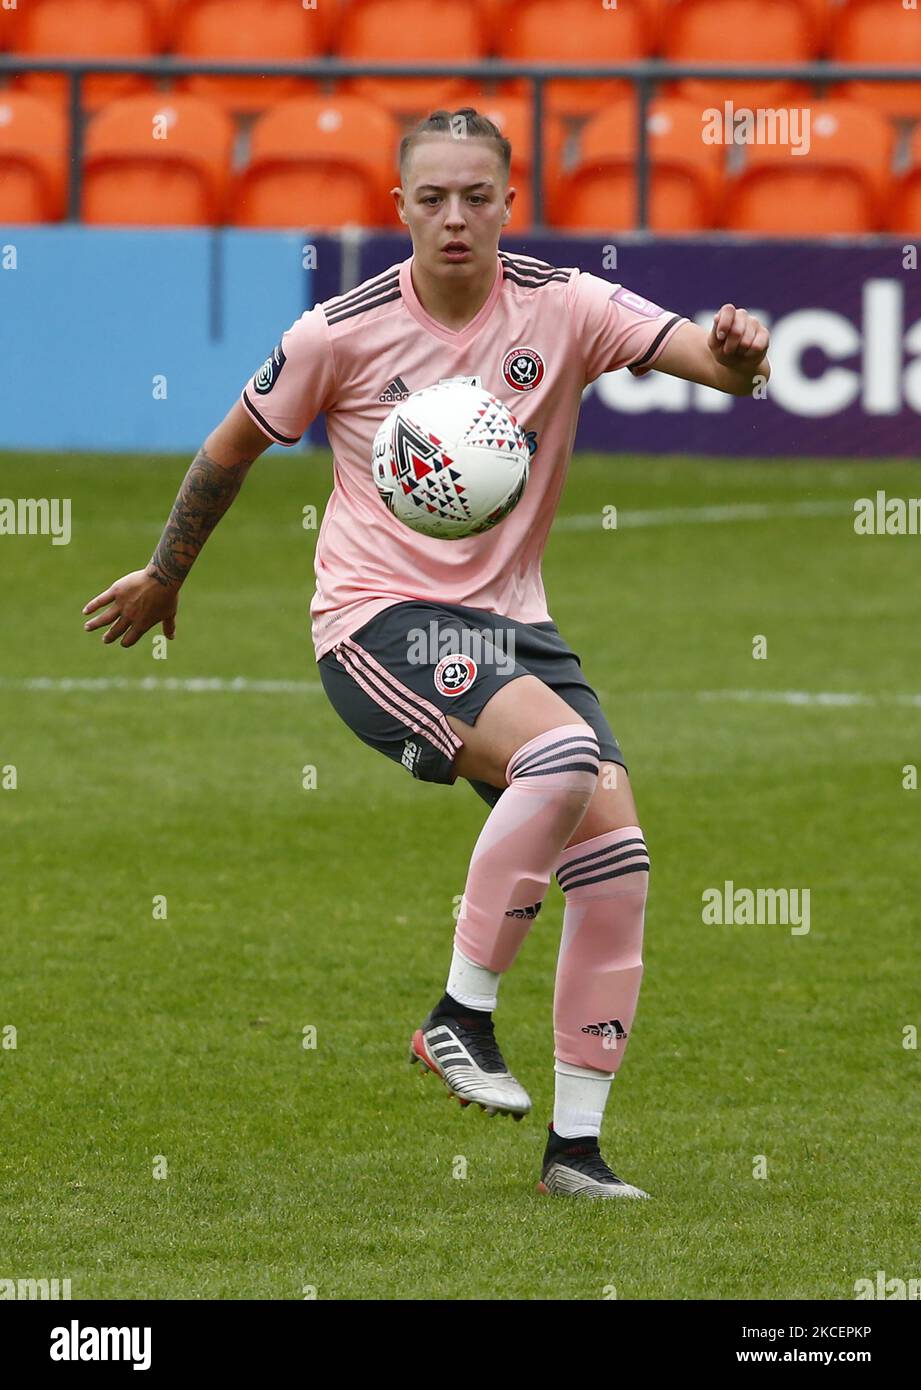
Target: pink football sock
x: 550, y: 783
x: 600, y: 964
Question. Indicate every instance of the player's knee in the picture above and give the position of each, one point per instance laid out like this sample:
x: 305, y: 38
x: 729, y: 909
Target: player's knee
x: 612, y: 865
x: 565, y: 758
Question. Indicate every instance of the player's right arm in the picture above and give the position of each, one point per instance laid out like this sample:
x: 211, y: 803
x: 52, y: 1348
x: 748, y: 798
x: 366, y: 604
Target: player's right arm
x: 275, y: 407
x: 138, y: 601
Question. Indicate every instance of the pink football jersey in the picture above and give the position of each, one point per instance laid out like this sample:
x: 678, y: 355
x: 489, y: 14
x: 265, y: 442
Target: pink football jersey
x: 542, y: 335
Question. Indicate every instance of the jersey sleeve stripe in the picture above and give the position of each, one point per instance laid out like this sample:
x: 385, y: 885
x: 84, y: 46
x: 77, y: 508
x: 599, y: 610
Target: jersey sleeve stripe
x: 332, y: 318
x: 264, y: 424
x: 377, y: 282
x: 359, y: 296
x: 535, y: 284
x: 654, y: 345
x: 529, y: 265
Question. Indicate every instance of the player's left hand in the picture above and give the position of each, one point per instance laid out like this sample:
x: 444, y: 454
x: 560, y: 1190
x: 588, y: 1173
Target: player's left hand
x: 737, y: 339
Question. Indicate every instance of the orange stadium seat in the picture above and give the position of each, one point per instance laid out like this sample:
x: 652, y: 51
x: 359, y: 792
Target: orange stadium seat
x: 905, y: 207
x: 239, y: 31
x: 822, y: 17
x: 8, y: 20
x: 157, y: 161
x: 412, y: 31
x: 329, y: 17
x: 513, y: 116
x: 879, y: 33
x: 573, y: 32
x: 33, y: 159
x: 319, y: 162
x: 686, y: 175
x: 86, y: 29
x: 741, y: 31
x: 840, y: 185
x: 165, y: 11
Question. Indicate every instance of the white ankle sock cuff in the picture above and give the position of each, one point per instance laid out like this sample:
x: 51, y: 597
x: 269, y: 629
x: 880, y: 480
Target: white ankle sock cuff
x: 472, y: 984
x: 580, y: 1096
x: 590, y: 1074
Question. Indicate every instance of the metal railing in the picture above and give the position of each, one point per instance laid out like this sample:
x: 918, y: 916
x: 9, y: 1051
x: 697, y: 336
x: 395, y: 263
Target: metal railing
x: 644, y: 77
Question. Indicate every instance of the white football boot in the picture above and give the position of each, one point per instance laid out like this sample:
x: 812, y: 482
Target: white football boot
x: 463, y: 1051
x: 575, y: 1168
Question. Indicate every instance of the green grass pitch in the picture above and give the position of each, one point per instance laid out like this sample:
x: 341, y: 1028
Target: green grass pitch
x: 334, y: 1168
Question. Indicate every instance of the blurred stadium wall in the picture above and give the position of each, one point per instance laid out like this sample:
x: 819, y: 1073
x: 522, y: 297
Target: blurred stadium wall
x: 158, y: 159
x: 100, y: 327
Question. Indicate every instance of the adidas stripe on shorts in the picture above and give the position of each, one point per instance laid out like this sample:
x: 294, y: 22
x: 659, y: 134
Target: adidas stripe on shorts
x: 395, y: 680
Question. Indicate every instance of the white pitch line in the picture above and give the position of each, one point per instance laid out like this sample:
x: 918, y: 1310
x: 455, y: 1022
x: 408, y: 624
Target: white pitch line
x: 695, y: 516
x: 822, y: 698
x: 593, y: 520
x: 626, y: 519
x: 194, y: 685
x: 243, y: 685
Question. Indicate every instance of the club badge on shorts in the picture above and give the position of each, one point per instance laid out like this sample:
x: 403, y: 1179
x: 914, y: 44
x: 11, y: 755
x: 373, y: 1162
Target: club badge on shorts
x: 523, y: 369
x: 455, y: 674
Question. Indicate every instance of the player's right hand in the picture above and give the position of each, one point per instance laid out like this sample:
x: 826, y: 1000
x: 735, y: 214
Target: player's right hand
x: 131, y: 606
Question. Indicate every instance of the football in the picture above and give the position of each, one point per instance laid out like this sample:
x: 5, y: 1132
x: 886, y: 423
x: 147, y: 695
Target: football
x: 450, y: 461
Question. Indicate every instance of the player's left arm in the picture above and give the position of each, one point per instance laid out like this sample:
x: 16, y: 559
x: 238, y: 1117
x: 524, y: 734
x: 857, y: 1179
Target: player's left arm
x: 732, y: 357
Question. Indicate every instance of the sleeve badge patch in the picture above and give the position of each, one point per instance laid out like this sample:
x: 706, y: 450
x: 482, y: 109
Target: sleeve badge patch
x: 269, y: 372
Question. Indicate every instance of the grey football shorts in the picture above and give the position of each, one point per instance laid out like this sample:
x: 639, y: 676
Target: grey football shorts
x: 394, y: 680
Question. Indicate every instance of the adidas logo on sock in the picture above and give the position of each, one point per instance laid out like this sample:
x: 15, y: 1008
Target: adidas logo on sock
x: 529, y: 912
x: 612, y: 1029
x: 396, y: 391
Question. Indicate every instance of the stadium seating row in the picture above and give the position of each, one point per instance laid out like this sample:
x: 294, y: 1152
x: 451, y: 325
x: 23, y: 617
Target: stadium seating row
x: 322, y: 163
x: 882, y: 32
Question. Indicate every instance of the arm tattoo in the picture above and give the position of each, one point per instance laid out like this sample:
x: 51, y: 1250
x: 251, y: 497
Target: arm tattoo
x: 207, y: 491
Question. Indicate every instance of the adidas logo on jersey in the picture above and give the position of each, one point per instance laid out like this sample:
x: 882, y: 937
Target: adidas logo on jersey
x: 396, y: 391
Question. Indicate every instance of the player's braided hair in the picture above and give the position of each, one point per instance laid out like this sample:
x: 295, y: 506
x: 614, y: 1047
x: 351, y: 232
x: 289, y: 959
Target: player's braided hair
x: 464, y: 124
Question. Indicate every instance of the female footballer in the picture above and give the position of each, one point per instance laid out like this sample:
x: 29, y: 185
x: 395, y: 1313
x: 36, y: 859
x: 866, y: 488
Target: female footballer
x: 516, y: 717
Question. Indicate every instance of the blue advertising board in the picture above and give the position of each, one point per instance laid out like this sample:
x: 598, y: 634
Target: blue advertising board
x: 101, y: 328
